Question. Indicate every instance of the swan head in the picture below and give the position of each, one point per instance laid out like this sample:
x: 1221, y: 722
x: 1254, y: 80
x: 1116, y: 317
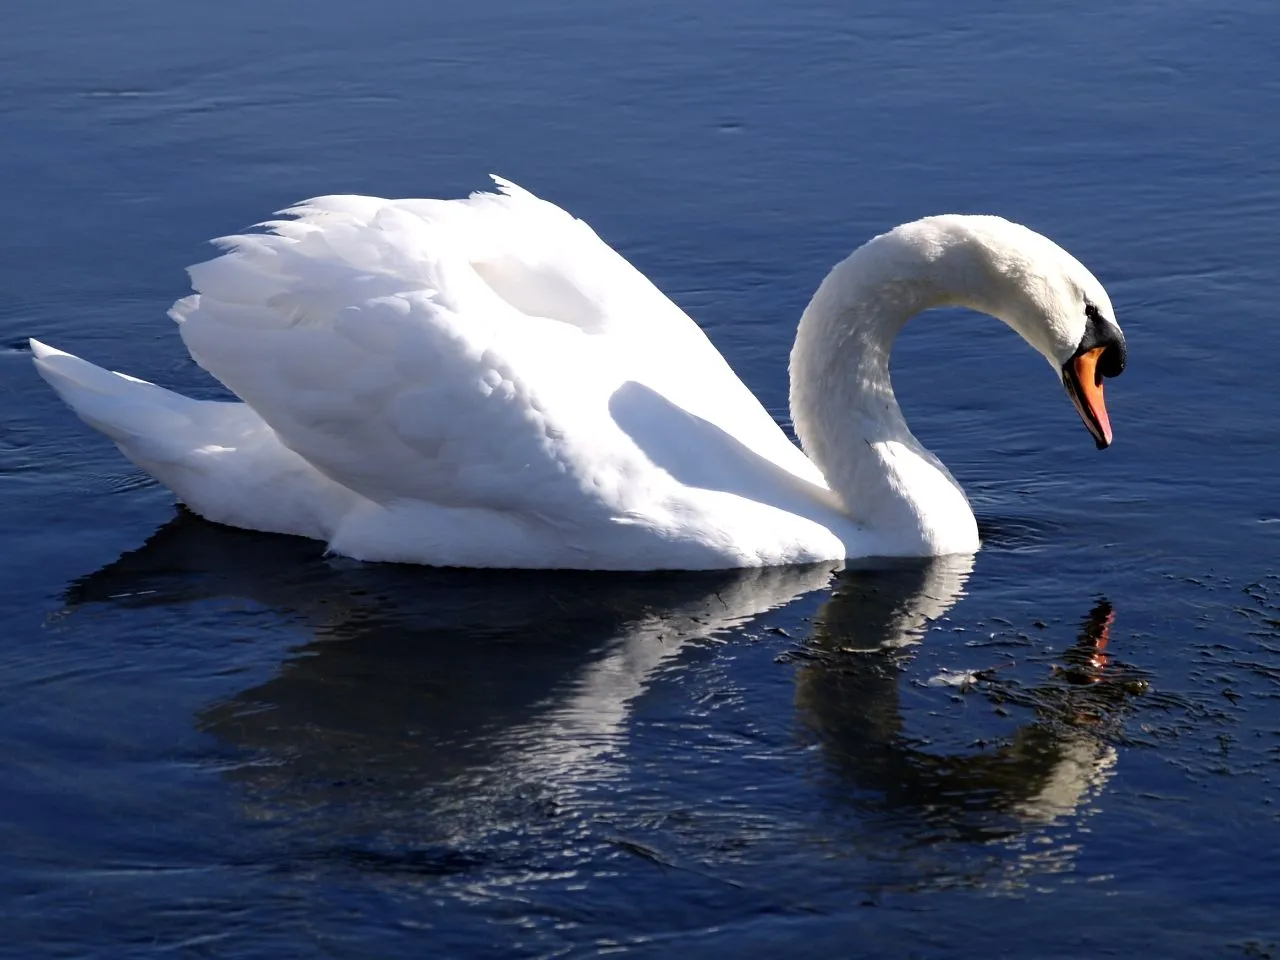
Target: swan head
x: 1038, y: 289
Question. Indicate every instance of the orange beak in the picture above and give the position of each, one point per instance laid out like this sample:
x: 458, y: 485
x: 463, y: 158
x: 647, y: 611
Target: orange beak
x: 1083, y: 381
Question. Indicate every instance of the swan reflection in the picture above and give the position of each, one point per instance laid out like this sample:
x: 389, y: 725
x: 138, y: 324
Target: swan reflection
x: 427, y: 702
x: 415, y: 675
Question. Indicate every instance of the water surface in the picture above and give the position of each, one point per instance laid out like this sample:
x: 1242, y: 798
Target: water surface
x: 224, y: 744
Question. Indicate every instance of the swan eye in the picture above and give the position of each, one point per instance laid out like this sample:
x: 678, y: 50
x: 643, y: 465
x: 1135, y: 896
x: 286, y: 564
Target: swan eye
x: 1100, y: 332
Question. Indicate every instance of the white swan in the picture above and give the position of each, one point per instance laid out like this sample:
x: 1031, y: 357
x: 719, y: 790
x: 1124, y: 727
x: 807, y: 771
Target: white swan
x: 486, y: 383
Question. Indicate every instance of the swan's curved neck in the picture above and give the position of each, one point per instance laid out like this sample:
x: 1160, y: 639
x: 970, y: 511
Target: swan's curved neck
x: 842, y: 400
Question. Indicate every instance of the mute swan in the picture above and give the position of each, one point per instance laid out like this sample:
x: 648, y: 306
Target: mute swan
x: 486, y: 383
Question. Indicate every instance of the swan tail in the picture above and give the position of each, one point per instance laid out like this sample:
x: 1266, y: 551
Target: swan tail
x: 140, y: 417
x: 219, y: 458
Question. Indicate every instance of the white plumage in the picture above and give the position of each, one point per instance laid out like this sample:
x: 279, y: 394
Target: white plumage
x: 485, y: 382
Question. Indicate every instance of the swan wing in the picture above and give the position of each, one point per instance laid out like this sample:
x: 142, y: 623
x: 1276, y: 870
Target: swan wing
x: 464, y: 353
x: 546, y: 263
x: 412, y: 394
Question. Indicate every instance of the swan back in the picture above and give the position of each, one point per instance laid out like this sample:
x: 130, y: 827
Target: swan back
x: 490, y: 357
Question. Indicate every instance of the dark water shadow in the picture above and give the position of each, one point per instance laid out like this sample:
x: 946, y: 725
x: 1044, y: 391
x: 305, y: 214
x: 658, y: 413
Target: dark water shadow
x: 421, y: 674
x: 439, y: 704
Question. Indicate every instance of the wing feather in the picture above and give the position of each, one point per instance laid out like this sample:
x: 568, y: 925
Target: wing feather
x: 459, y: 352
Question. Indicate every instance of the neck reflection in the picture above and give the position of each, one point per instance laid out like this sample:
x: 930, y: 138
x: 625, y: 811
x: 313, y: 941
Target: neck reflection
x: 850, y: 699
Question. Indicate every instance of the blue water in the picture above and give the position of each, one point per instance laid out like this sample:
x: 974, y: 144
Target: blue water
x: 222, y: 744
